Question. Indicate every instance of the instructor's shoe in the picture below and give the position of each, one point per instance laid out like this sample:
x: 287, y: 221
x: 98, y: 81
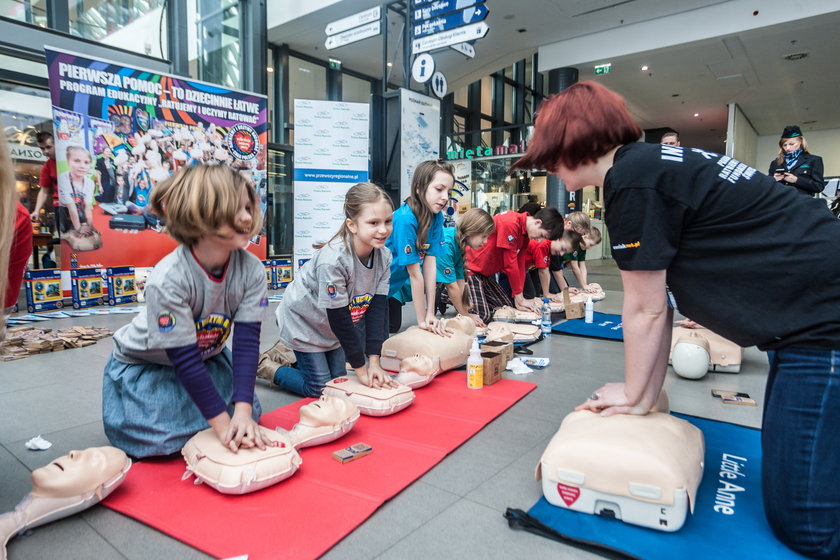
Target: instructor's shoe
x: 282, y: 354
x: 266, y: 368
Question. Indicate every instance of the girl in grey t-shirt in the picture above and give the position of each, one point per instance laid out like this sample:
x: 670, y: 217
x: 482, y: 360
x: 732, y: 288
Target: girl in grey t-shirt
x: 335, y: 310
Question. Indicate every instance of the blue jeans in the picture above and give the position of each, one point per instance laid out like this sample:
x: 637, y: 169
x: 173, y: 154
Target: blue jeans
x: 313, y: 371
x: 801, y: 450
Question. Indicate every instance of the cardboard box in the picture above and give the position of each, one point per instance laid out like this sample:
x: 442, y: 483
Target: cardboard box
x: 494, y: 365
x: 498, y: 347
x: 573, y: 310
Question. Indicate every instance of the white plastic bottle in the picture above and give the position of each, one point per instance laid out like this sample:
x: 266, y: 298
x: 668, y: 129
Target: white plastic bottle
x: 588, y: 310
x: 475, y: 367
x: 545, y: 322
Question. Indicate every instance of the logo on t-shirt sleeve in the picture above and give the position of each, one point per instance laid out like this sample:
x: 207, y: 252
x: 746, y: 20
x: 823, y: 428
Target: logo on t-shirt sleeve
x: 331, y: 290
x: 407, y: 249
x: 166, y: 321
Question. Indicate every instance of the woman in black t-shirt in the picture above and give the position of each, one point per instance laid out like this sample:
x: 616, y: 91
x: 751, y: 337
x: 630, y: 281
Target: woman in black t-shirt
x: 705, y: 224
x: 795, y: 165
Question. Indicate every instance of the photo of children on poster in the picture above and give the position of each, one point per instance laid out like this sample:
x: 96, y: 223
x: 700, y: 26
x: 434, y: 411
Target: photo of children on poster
x: 119, y: 131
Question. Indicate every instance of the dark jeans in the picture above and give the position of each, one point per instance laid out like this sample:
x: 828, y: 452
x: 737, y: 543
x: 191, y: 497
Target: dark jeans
x: 801, y: 450
x: 313, y: 370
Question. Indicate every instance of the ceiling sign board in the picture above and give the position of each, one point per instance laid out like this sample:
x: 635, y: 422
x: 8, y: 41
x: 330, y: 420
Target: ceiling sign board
x: 423, y: 68
x: 442, y: 7
x: 464, y: 48
x: 439, y: 86
x: 454, y: 20
x: 447, y: 38
x: 353, y: 21
x: 353, y: 35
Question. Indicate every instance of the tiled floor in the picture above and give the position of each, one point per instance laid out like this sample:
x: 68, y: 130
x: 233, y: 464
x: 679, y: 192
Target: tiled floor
x: 454, y: 511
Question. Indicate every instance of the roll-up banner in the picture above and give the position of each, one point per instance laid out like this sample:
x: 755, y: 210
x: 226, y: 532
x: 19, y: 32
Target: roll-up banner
x: 121, y: 130
x: 332, y: 153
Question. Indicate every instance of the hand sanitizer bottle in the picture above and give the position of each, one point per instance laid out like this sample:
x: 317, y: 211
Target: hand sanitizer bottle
x: 545, y: 323
x: 588, y: 310
x: 475, y: 367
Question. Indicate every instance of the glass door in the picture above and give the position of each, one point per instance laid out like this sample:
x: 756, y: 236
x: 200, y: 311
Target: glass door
x: 280, y: 211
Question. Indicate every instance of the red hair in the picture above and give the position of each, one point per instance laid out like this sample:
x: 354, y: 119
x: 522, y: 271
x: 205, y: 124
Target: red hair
x: 578, y: 126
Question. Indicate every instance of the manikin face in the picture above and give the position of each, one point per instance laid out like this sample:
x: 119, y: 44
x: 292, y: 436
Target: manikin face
x: 477, y: 241
x: 437, y: 192
x: 78, y: 472
x: 371, y: 227
x: 790, y: 145
x: 535, y: 229
x: 48, y: 147
x: 79, y: 162
x: 239, y: 235
x: 419, y: 363
x: 326, y: 411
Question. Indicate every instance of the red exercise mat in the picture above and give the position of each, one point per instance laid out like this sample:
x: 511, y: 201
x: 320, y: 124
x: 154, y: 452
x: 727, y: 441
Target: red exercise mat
x: 335, y: 498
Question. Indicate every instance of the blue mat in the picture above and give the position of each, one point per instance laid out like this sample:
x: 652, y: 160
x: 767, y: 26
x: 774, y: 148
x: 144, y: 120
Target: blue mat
x: 604, y: 325
x: 706, y: 534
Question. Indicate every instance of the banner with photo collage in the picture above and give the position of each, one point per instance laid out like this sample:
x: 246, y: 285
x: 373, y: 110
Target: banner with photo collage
x: 118, y: 132
x: 332, y: 153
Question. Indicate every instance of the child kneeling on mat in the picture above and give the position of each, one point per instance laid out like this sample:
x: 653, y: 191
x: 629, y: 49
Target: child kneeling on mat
x: 472, y: 231
x: 170, y: 374
x: 336, y: 296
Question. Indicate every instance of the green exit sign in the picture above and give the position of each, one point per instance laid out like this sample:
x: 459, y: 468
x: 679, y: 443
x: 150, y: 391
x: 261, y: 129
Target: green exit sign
x: 603, y: 69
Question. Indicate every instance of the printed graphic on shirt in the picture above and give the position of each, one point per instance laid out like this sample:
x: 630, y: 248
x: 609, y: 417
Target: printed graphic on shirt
x: 211, y: 332
x: 447, y: 271
x: 633, y: 245
x: 331, y: 290
x: 510, y: 238
x: 359, y: 305
x: 166, y: 321
x: 732, y: 168
x: 407, y: 249
x: 264, y: 302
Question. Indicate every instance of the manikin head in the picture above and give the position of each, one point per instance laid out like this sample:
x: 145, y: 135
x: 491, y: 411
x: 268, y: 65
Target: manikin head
x: 327, y: 411
x: 78, y: 472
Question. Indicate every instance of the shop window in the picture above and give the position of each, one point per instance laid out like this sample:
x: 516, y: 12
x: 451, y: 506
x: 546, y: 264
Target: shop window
x: 219, y: 29
x: 509, y: 100
x: 280, y: 214
x: 134, y: 25
x: 486, y: 96
x: 23, y: 112
x: 355, y: 89
x: 306, y: 81
x: 28, y: 11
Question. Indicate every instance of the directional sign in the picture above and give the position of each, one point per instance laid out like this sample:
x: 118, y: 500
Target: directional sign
x: 416, y: 3
x: 423, y: 67
x: 442, y: 7
x: 353, y: 21
x: 357, y: 34
x: 465, y: 49
x: 439, y: 85
x: 457, y: 35
x: 451, y: 21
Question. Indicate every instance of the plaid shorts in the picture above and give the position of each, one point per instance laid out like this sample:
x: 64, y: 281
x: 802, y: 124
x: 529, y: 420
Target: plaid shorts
x: 486, y: 295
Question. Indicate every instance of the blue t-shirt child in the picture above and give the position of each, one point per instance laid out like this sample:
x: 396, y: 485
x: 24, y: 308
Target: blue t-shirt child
x: 403, y: 245
x: 450, y: 261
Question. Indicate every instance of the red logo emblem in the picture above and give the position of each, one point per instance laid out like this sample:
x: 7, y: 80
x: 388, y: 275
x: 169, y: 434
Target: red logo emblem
x: 340, y: 380
x: 569, y: 494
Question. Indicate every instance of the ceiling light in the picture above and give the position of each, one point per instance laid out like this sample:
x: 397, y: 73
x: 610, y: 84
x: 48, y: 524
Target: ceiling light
x: 796, y: 56
x: 645, y: 68
x: 696, y: 114
x: 389, y: 64
x: 269, y: 69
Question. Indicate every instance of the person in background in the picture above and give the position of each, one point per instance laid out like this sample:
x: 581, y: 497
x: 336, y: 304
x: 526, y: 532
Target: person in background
x: 48, y: 180
x: 577, y: 258
x: 687, y: 223
x: 538, y: 279
x: 670, y: 139
x: 795, y: 166
x: 15, y: 237
x: 532, y: 206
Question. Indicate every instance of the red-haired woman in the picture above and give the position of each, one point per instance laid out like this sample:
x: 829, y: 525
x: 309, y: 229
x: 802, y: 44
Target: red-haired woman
x: 717, y: 232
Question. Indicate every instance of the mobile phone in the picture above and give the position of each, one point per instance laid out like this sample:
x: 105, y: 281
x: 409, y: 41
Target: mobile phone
x: 780, y: 170
x: 737, y: 400
x: 718, y: 393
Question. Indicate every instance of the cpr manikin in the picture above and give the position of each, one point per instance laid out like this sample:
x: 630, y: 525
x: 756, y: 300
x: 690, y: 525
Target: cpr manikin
x: 696, y: 350
x: 446, y: 352
x: 416, y: 371
x: 249, y: 470
x: 68, y: 485
x: 643, y: 470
